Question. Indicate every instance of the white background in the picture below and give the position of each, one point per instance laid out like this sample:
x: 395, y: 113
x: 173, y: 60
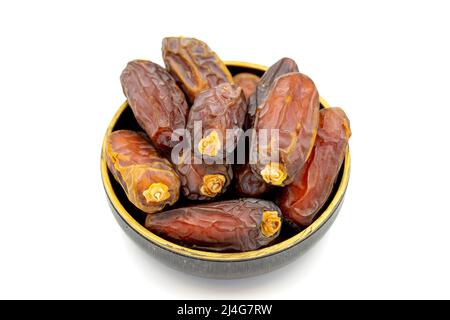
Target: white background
x: 387, y: 63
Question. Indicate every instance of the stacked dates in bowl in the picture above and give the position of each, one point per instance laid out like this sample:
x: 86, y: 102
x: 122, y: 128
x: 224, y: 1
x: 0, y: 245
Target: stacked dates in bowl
x: 223, y: 163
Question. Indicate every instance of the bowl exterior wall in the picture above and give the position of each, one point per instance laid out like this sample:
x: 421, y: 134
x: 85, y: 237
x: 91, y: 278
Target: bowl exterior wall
x: 226, y: 269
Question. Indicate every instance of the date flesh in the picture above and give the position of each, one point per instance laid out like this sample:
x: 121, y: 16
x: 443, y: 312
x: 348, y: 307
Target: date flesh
x: 289, y: 114
x: 159, y: 106
x: 234, y: 225
x: 247, y: 81
x: 248, y: 184
x: 149, y: 181
x: 202, y: 181
x: 194, y: 65
x: 302, y: 199
x: 279, y: 68
x: 217, y: 109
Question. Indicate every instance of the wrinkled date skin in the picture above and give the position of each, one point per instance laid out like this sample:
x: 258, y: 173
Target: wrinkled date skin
x: 291, y: 109
x: 281, y: 67
x: 157, y: 103
x: 217, y: 109
x: 194, y: 65
x: 201, y: 181
x: 302, y: 199
x: 149, y: 181
x: 234, y: 225
x: 248, y: 184
x: 247, y: 81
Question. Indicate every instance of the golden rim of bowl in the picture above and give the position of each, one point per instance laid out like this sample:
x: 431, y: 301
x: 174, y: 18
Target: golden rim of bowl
x: 216, y: 256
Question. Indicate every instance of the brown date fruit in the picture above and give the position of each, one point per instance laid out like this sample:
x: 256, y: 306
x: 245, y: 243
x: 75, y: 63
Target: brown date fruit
x: 281, y: 67
x: 157, y: 103
x: 194, y: 65
x: 247, y: 81
x: 302, y: 199
x: 248, y: 184
x: 149, y: 181
x: 202, y: 181
x: 289, y: 115
x: 219, y: 110
x: 234, y: 225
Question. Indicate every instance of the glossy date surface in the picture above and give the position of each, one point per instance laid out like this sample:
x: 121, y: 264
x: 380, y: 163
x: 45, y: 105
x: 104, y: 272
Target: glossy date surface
x: 304, y: 197
x: 247, y: 81
x: 234, y: 225
x: 149, y: 180
x: 249, y: 184
x: 279, y: 68
x: 159, y: 106
x: 286, y: 126
x: 202, y: 181
x: 220, y: 111
x: 194, y: 65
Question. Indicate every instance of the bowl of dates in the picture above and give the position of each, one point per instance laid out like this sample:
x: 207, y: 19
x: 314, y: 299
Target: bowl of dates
x: 223, y: 169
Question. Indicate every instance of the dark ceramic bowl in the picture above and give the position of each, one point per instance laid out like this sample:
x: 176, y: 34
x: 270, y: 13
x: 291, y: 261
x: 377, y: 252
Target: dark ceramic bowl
x: 213, y: 264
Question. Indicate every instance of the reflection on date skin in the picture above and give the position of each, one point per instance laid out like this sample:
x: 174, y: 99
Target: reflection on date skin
x: 149, y: 180
x: 302, y: 199
x: 249, y: 184
x: 158, y: 104
x: 233, y: 225
x: 202, y: 181
x: 220, y: 110
x: 247, y: 81
x: 194, y: 65
x: 279, y: 68
x: 291, y: 108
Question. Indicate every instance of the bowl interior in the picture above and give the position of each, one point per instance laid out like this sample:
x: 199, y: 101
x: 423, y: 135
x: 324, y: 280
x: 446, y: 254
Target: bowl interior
x: 125, y: 119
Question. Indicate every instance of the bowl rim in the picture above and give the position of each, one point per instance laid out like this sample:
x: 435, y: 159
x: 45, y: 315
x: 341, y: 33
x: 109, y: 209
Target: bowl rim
x: 217, y: 256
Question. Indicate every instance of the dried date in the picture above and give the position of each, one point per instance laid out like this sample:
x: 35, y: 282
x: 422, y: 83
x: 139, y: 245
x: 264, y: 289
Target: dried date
x: 194, y: 65
x: 149, y: 181
x: 220, y: 111
x: 247, y: 81
x: 201, y: 181
x: 285, y: 126
x: 281, y: 67
x: 249, y: 184
x: 303, y: 198
x: 157, y: 103
x: 234, y: 225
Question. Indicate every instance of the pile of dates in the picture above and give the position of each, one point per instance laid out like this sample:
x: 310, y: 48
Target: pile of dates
x: 192, y: 182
